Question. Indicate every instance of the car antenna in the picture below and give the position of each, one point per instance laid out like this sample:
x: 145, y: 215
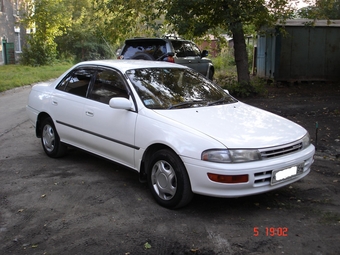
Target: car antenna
x: 316, y: 135
x: 108, y: 45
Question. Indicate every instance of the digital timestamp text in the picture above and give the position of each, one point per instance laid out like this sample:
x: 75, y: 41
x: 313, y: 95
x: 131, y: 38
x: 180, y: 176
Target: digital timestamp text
x: 271, y: 231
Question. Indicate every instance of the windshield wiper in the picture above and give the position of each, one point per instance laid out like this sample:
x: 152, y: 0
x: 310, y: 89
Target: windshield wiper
x: 186, y: 103
x: 220, y: 101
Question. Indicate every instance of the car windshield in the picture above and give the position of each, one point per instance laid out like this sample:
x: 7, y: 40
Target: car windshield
x: 173, y: 88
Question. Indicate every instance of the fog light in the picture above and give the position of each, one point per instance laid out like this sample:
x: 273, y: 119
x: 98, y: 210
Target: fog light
x: 228, y: 178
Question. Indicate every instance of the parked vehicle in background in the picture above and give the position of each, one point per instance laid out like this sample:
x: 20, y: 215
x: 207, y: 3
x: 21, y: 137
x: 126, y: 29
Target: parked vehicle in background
x: 170, y: 49
x: 183, y: 133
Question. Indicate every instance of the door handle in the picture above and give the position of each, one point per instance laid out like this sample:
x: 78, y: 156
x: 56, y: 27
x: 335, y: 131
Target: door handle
x: 90, y: 114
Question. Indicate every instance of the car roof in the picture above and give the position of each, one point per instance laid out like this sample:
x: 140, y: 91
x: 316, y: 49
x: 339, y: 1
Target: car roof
x: 124, y: 65
x: 138, y: 39
x: 145, y: 39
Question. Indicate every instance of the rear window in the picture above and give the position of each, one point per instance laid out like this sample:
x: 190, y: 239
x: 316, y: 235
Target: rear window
x: 155, y: 48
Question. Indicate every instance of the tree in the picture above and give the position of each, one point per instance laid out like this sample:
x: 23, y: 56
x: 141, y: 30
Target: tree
x: 98, y: 27
x: 321, y: 9
x: 86, y: 29
x: 46, y: 17
x: 197, y: 17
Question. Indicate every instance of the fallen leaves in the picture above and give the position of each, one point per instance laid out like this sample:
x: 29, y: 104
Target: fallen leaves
x: 147, y: 245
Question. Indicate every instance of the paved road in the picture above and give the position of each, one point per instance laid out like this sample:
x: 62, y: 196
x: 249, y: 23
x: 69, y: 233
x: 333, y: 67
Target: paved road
x: 12, y: 105
x: 81, y: 204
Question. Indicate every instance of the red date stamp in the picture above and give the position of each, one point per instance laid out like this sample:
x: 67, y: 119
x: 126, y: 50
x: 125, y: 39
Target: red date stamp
x: 271, y: 231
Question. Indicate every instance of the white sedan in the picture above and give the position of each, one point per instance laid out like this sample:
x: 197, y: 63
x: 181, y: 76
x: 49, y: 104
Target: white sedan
x: 180, y: 131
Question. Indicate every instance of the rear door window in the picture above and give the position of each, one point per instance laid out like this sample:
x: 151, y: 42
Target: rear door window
x: 179, y: 48
x: 78, y: 81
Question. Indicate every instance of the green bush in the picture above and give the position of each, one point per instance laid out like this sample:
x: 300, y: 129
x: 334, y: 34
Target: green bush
x: 256, y: 87
x: 38, y: 52
x: 226, y: 75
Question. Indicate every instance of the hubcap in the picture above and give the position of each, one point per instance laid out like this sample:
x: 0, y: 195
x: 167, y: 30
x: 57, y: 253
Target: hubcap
x: 48, y: 138
x: 164, y: 180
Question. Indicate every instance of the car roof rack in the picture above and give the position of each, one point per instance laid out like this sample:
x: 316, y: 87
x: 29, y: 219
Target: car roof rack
x: 172, y: 37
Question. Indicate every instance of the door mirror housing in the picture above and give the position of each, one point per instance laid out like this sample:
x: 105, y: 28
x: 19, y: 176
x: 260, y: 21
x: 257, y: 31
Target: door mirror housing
x: 120, y: 103
x: 204, y: 53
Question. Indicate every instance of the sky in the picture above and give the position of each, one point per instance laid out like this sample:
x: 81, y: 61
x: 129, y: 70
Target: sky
x: 302, y: 4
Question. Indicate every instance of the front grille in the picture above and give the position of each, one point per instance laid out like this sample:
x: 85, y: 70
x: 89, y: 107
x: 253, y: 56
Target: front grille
x: 280, y: 150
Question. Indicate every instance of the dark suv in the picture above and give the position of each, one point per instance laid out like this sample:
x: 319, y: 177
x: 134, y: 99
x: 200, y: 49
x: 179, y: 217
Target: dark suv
x: 170, y: 49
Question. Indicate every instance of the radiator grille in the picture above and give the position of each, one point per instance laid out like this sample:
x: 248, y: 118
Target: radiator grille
x: 281, y: 150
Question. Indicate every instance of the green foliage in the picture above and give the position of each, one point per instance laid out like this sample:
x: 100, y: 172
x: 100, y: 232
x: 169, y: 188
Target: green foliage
x: 225, y: 61
x: 84, y: 30
x: 194, y: 18
x: 46, y: 17
x: 13, y: 76
x: 255, y: 87
x: 321, y: 9
x: 86, y: 48
x: 38, y: 52
x: 226, y: 76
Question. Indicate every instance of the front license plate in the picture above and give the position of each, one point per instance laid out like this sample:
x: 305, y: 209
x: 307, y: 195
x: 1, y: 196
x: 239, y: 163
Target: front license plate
x: 281, y: 175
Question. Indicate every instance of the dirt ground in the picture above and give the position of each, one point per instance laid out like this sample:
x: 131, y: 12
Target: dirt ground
x: 81, y: 204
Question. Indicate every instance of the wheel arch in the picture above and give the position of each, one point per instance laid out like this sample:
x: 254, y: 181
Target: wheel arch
x: 211, y: 72
x: 146, y: 156
x: 41, y: 117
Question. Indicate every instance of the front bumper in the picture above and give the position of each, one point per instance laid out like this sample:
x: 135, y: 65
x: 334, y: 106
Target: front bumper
x: 259, y: 172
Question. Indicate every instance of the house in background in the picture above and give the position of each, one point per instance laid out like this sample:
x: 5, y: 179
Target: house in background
x: 213, y: 44
x: 301, y: 50
x: 11, y: 33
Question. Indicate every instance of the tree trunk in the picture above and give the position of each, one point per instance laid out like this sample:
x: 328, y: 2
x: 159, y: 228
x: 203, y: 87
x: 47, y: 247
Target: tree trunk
x: 241, y: 56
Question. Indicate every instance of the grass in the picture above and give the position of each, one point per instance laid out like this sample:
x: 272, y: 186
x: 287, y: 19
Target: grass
x: 13, y: 76
x: 226, y: 77
x: 330, y: 218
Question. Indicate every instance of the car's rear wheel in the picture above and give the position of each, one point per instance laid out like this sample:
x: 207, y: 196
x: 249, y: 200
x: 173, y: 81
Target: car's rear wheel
x: 142, y: 55
x: 168, y: 180
x: 50, y: 140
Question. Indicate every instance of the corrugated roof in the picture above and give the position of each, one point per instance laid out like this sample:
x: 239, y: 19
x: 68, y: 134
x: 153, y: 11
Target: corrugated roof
x: 310, y: 22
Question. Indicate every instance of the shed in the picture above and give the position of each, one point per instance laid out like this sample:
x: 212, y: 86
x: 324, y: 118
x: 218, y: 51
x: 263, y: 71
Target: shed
x: 300, y: 50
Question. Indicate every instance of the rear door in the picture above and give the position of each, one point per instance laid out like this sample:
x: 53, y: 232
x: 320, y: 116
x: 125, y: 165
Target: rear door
x: 202, y: 64
x: 184, y: 54
x: 67, y: 104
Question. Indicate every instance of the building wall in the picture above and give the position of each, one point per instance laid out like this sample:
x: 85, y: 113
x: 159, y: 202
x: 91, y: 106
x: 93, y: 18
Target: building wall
x: 10, y: 29
x: 302, y: 53
x: 309, y: 54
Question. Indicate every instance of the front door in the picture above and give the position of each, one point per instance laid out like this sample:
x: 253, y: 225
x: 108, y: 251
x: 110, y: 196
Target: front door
x: 109, y: 132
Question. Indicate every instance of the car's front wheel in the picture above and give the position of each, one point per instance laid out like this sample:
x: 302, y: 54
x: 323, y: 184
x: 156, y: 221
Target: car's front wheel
x: 50, y: 140
x: 168, y: 180
x: 211, y: 74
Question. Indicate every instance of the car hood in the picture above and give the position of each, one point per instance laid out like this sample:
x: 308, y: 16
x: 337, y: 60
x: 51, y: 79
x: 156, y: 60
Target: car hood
x: 238, y: 125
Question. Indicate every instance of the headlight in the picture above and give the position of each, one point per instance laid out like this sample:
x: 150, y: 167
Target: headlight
x: 306, y: 141
x: 231, y: 156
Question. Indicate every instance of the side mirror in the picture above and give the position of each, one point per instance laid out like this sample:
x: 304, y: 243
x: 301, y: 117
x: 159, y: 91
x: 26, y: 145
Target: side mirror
x: 120, y: 103
x: 204, y: 53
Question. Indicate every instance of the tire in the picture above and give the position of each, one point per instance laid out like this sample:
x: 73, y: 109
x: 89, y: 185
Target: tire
x: 211, y: 74
x: 143, y: 56
x: 50, y: 140
x: 168, y: 180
